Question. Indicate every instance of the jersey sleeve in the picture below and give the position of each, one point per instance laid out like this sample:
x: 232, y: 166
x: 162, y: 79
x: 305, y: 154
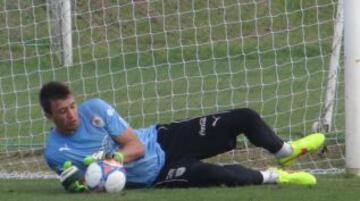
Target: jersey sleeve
x: 54, y: 165
x: 115, y: 125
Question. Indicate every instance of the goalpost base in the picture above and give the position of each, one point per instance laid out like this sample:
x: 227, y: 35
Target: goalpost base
x: 353, y: 171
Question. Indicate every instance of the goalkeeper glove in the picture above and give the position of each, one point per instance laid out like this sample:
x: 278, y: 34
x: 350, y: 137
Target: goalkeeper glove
x: 88, y: 160
x: 95, y: 157
x: 118, y: 156
x: 70, y: 178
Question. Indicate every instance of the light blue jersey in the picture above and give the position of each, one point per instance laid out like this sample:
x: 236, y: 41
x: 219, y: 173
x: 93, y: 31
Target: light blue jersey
x: 99, y: 122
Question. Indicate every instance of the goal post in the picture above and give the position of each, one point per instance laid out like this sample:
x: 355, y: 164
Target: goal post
x: 352, y: 84
x: 158, y: 61
x: 325, y: 122
x: 59, y: 15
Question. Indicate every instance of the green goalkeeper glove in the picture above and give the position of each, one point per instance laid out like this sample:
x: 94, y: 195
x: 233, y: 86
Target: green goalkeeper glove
x: 70, y: 178
x: 92, y: 158
x: 88, y: 160
x: 118, y: 156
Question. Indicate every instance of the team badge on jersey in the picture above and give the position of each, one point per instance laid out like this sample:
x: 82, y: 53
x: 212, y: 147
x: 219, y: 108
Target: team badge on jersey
x: 97, y: 121
x: 110, y: 111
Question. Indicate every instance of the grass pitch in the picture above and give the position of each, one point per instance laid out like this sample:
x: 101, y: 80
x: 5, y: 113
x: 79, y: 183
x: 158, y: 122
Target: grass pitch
x: 329, y: 188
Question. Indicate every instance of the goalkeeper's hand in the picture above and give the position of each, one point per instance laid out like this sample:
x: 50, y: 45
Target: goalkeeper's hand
x: 71, y: 178
x: 92, y: 158
x: 118, y: 156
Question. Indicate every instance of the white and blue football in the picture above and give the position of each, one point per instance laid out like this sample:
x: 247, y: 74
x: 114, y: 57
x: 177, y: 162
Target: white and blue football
x: 105, y: 176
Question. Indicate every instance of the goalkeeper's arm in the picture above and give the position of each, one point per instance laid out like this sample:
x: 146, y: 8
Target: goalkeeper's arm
x: 71, y: 178
x: 131, y: 149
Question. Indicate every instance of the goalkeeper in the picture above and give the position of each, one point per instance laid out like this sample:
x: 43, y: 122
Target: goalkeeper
x: 162, y: 155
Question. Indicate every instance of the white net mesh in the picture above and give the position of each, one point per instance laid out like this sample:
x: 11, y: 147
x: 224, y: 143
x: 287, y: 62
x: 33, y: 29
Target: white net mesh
x: 162, y: 60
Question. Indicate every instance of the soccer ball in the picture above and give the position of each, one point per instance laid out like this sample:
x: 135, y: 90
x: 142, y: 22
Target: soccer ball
x: 105, y: 176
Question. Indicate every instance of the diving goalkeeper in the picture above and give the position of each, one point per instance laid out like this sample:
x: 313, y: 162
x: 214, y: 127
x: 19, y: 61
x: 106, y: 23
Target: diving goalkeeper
x: 162, y: 155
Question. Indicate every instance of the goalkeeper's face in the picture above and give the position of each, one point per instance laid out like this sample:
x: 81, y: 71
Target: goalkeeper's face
x: 64, y: 114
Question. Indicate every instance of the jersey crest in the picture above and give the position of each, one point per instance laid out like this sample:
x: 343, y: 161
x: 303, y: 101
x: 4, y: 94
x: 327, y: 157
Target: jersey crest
x: 97, y: 122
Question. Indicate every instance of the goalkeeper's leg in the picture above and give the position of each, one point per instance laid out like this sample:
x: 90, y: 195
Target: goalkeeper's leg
x: 213, y: 134
x: 192, y: 173
x: 260, y: 134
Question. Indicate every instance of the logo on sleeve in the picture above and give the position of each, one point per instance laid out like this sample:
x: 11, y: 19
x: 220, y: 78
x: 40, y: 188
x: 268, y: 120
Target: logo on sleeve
x: 97, y: 121
x: 110, y: 111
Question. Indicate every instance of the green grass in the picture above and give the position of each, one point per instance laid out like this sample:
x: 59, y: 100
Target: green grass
x: 328, y: 189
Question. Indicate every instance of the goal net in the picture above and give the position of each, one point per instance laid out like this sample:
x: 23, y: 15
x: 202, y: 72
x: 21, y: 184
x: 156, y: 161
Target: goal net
x: 163, y: 60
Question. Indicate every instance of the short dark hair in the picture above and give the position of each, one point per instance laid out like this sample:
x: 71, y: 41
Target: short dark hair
x: 52, y: 91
